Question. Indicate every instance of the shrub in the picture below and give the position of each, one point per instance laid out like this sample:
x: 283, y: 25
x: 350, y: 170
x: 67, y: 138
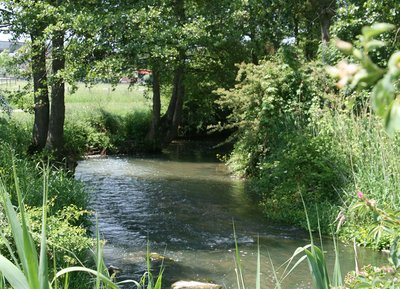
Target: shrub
x: 136, y: 126
x: 103, y: 132
x: 275, y: 108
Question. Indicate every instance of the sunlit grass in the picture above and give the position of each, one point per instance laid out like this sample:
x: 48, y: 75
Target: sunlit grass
x: 119, y: 100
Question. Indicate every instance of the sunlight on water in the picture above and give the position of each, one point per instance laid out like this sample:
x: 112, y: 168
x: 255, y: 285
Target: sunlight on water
x: 184, y: 203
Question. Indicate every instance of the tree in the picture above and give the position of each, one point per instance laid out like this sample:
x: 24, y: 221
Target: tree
x: 30, y: 18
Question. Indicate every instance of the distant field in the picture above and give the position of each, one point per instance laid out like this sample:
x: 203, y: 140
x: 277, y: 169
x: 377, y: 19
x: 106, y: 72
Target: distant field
x: 120, y: 99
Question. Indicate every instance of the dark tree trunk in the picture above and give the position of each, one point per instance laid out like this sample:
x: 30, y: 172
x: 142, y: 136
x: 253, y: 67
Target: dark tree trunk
x: 55, y: 139
x: 153, y: 136
x: 41, y: 95
x: 325, y: 18
x: 254, y: 47
x: 172, y: 118
x: 177, y: 117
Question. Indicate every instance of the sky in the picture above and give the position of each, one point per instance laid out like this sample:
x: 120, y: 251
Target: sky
x: 4, y: 37
x: 7, y: 36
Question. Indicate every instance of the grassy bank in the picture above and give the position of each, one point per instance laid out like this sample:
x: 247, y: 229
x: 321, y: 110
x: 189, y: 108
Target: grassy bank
x: 297, y: 136
x: 119, y: 100
x: 99, y: 119
x: 95, y: 119
x: 66, y: 204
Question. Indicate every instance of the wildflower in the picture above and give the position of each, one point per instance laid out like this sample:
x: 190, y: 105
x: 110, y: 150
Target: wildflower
x: 371, y: 203
x: 360, y: 194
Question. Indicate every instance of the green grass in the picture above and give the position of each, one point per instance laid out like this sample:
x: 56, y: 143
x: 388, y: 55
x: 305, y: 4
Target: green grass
x: 118, y: 100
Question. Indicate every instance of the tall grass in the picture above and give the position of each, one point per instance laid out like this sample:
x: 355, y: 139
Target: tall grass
x: 373, y: 158
x: 101, y: 118
x: 30, y: 269
x: 315, y: 257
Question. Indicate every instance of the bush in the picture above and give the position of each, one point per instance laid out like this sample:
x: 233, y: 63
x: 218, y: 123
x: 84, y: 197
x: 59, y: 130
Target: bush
x: 136, y: 126
x: 275, y: 109
x: 103, y: 132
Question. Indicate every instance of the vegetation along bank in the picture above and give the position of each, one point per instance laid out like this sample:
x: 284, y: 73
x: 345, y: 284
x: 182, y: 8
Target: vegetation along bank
x: 216, y: 67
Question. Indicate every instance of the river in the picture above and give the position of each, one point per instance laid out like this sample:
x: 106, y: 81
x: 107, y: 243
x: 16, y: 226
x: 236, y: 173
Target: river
x: 184, y: 203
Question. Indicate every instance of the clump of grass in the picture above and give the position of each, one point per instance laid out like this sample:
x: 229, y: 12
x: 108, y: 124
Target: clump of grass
x: 27, y: 269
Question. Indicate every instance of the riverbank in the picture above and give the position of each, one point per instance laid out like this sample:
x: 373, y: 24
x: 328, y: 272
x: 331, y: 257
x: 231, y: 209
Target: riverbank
x: 306, y: 140
x: 67, y: 236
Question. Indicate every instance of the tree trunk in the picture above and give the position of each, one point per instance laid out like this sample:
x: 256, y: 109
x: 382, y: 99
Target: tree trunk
x: 41, y: 95
x: 177, y: 117
x: 325, y: 18
x: 171, y: 120
x: 55, y: 139
x: 153, y: 136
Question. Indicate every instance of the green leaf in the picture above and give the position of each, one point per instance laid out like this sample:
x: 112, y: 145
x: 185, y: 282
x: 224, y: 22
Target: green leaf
x: 105, y: 279
x: 373, y: 44
x: 394, y: 64
x: 392, y: 121
x: 158, y: 284
x: 317, y: 264
x: 395, y: 253
x: 23, y: 240
x: 382, y: 96
x: 376, y: 29
x: 13, y: 274
x: 337, y: 274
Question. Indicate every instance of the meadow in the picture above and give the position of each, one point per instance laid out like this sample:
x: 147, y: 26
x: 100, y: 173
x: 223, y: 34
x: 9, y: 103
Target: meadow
x: 119, y: 99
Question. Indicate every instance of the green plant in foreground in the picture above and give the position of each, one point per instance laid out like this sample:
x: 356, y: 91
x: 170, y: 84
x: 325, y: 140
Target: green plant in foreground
x: 29, y: 270
x: 385, y: 221
x: 365, y: 73
x: 316, y: 261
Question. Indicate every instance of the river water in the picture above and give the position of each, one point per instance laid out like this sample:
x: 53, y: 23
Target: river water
x: 184, y: 203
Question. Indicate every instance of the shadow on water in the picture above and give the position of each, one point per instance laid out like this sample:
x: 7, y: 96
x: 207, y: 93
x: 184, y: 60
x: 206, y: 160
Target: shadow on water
x: 184, y: 202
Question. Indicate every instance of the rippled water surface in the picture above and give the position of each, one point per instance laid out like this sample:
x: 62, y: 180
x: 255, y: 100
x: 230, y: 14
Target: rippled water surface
x: 184, y: 202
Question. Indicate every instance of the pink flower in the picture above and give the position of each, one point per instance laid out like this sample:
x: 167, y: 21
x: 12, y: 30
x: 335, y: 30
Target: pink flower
x: 360, y: 194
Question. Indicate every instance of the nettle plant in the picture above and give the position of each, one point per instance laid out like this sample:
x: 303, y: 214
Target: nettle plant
x: 365, y: 73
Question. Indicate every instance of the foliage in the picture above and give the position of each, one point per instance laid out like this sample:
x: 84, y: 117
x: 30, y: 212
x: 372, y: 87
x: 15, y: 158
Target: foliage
x: 63, y: 189
x: 275, y: 109
x: 27, y: 268
x: 353, y: 15
x: 382, y: 222
x: 102, y: 132
x: 373, y: 277
x: 369, y: 74
x: 8, y: 64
